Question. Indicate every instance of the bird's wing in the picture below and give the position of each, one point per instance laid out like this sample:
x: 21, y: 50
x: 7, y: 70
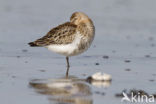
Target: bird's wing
x: 62, y: 34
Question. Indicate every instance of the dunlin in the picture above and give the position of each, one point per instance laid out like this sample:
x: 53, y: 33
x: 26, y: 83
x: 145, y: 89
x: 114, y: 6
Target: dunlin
x: 69, y: 39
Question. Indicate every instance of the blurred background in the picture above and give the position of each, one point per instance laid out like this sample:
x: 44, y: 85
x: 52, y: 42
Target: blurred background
x: 125, y: 30
x: 23, y: 21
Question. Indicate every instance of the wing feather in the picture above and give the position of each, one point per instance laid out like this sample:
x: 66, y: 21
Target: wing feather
x: 62, y: 34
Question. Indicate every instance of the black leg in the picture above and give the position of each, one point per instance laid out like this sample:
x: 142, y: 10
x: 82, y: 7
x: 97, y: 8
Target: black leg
x: 67, y: 59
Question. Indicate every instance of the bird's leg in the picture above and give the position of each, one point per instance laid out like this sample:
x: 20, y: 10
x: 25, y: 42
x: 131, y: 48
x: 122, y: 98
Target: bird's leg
x: 67, y: 59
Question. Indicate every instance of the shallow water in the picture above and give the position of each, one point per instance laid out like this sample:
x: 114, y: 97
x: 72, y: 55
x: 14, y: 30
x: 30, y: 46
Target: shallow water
x: 125, y: 32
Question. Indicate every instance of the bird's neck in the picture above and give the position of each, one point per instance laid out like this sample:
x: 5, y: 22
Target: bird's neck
x: 86, y: 28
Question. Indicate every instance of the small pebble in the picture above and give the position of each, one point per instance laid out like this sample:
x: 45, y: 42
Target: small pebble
x: 127, y: 61
x: 152, y: 45
x: 127, y: 69
x: 147, y: 56
x: 13, y: 76
x: 103, y: 93
x: 154, y: 74
x: 106, y: 57
x: 42, y: 70
x: 151, y: 80
x: 119, y: 95
x: 26, y: 61
x: 151, y: 38
x: 113, y: 51
x: 97, y: 64
x: 18, y: 56
x: 100, y: 93
x: 24, y: 50
x: 97, y: 92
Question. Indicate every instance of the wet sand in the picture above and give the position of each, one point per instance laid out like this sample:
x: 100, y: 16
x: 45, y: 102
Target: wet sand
x: 124, y: 47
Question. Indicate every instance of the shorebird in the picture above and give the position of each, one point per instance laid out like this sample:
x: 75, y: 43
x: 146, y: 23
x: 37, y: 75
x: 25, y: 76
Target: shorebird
x: 69, y: 39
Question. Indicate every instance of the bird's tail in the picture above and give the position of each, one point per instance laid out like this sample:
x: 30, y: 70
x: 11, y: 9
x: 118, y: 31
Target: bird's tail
x: 32, y: 44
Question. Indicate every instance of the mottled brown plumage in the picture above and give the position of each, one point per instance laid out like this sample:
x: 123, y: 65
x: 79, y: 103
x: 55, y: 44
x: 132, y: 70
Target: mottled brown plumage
x: 69, y: 39
x: 65, y: 33
x: 62, y: 34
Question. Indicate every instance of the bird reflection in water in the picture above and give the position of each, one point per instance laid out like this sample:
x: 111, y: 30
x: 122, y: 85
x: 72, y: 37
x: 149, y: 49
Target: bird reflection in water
x: 69, y: 90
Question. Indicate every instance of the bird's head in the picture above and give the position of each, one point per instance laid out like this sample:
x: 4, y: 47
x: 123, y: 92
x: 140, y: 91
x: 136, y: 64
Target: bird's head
x: 79, y: 17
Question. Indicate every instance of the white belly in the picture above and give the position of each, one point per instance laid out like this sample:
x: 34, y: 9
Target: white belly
x: 68, y: 49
